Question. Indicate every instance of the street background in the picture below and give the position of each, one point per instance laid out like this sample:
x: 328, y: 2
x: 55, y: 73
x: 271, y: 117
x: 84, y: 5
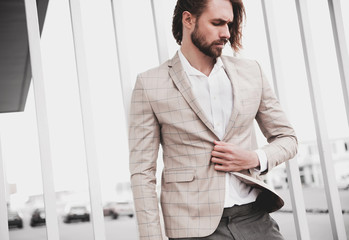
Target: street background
x: 124, y: 228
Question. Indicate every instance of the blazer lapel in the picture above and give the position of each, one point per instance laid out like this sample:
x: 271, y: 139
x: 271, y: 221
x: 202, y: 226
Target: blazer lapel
x: 181, y: 80
x: 234, y: 78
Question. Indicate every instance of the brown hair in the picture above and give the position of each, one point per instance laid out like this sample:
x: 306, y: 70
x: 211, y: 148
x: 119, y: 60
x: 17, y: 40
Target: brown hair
x: 197, y: 7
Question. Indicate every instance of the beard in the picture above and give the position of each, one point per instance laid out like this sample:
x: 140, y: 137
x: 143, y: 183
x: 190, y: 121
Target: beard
x: 209, y: 49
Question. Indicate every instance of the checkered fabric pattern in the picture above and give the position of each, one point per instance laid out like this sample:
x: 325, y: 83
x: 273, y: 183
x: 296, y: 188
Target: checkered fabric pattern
x: 164, y: 111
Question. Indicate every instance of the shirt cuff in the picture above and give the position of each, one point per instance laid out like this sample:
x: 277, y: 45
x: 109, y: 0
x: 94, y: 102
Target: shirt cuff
x: 263, y: 161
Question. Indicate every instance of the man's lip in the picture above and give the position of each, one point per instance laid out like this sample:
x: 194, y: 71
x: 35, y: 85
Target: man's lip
x: 220, y: 43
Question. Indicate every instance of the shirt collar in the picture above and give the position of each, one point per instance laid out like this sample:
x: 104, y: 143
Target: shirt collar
x: 191, y: 71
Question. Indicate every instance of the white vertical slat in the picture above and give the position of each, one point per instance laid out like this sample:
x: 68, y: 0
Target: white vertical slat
x: 123, y: 60
x: 297, y: 200
x: 332, y: 195
x: 3, y: 201
x: 293, y: 176
x: 42, y: 121
x: 159, y: 25
x: 341, y: 48
x: 87, y: 120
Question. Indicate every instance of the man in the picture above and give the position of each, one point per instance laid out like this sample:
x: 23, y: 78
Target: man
x: 200, y: 106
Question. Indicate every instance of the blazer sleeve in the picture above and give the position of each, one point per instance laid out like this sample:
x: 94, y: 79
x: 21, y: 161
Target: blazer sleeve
x: 275, y: 127
x: 144, y: 139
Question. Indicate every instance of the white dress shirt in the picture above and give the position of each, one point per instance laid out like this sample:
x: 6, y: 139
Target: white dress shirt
x: 215, y: 96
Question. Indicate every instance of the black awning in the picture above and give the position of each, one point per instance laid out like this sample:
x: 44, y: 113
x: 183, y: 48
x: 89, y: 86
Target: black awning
x: 15, y: 71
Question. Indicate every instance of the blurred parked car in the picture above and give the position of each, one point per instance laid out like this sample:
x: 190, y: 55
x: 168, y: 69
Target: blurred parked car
x: 108, y: 209
x: 38, y: 217
x: 15, y: 220
x: 76, y: 213
x: 122, y: 209
x: 343, y: 183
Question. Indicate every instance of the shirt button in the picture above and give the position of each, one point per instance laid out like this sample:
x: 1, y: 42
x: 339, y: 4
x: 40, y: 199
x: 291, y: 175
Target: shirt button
x: 214, y: 98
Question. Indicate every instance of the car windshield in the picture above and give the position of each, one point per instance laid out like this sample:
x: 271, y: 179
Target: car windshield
x: 12, y: 214
x: 78, y: 209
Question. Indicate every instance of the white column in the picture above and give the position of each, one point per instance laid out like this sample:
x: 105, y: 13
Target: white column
x: 87, y: 121
x: 341, y: 48
x: 3, y: 201
x: 123, y: 60
x: 159, y: 25
x: 332, y: 195
x: 292, y: 169
x: 42, y: 121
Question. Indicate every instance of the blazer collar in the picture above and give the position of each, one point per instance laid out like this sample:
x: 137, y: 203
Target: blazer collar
x: 182, y: 82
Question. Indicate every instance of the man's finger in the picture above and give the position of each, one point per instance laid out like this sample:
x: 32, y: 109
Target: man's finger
x: 218, y: 154
x: 219, y: 143
x: 218, y: 148
x: 223, y: 149
x: 218, y: 160
x: 220, y: 168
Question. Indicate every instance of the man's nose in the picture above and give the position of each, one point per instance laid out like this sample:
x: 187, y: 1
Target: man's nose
x: 225, y: 33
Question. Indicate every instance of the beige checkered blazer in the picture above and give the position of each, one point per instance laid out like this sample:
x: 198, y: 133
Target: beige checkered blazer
x: 164, y: 111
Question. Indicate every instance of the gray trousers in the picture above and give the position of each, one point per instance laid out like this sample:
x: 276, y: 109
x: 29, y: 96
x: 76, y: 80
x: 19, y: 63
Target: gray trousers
x: 244, y: 222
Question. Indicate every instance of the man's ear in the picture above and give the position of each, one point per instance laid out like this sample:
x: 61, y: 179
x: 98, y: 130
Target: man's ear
x: 188, y: 20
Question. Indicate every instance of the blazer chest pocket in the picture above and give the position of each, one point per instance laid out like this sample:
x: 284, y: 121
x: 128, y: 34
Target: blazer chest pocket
x: 179, y: 175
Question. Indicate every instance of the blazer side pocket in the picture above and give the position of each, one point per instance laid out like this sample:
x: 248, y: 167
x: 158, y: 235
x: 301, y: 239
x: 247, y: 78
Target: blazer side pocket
x: 179, y: 175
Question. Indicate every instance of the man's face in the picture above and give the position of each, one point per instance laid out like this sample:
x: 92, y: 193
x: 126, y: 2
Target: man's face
x: 211, y: 30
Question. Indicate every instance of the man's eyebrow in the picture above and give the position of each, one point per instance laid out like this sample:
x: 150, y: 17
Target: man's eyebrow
x: 221, y: 20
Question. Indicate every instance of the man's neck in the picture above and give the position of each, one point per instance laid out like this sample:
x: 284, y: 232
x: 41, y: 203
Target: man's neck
x: 198, y: 60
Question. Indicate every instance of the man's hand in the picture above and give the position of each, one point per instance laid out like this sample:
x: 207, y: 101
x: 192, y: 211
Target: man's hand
x: 228, y: 157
